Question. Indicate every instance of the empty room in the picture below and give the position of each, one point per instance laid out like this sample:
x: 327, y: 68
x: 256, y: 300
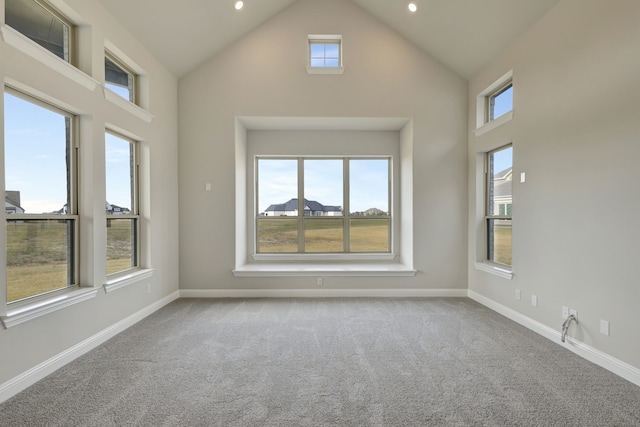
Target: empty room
x: 320, y: 213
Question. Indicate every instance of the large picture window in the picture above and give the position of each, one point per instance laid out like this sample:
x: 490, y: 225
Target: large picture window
x: 40, y: 197
x: 498, y: 205
x: 122, y: 203
x: 43, y: 24
x: 323, y: 205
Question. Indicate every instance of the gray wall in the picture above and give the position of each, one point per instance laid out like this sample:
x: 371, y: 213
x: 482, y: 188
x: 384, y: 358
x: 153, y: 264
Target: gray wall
x: 264, y: 74
x: 29, y: 344
x: 575, y: 133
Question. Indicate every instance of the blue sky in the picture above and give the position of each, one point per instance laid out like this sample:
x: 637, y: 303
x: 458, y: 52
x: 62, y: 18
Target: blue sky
x: 35, y: 162
x: 324, y: 182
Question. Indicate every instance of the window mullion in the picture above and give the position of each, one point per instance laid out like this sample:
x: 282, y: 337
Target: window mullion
x: 301, y: 205
x: 346, y: 209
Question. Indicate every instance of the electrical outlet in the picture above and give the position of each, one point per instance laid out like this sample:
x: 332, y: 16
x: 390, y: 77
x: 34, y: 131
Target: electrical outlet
x: 148, y: 288
x: 604, y: 327
x: 565, y: 312
x: 534, y: 300
x: 574, y: 312
x: 319, y: 281
x: 518, y: 294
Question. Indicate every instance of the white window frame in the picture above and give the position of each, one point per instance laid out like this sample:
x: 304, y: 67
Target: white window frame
x: 488, y: 217
x: 133, y: 77
x: 346, y: 216
x: 19, y: 311
x: 70, y: 36
x: 483, y: 105
x: 324, y: 39
x: 135, y: 210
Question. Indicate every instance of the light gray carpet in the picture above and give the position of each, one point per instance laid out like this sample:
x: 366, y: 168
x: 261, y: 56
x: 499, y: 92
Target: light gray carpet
x: 327, y: 362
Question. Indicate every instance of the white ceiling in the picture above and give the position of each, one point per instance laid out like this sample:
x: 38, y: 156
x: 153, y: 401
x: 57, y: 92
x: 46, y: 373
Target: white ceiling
x: 462, y: 34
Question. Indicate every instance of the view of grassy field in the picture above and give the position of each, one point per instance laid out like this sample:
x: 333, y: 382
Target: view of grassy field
x: 322, y: 235
x: 502, y: 245
x: 38, y: 260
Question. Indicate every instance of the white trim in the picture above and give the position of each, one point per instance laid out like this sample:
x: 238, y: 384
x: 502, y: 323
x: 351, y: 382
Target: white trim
x: 127, y: 279
x: 489, y: 268
x: 322, y: 293
x: 325, y: 257
x: 494, y: 124
x: 337, y: 269
x: 130, y: 107
x: 29, y: 47
x: 325, y: 70
x: 35, y: 374
x: 24, y: 313
x: 610, y: 363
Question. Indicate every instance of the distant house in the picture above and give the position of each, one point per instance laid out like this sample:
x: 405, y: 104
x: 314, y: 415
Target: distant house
x: 116, y: 210
x: 311, y: 208
x: 12, y: 203
x: 502, y: 190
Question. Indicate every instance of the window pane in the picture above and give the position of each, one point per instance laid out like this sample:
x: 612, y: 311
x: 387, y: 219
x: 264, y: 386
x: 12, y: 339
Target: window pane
x: 121, y: 243
x: 317, y: 50
x: 501, y: 102
x: 40, y: 25
x: 277, y: 187
x: 369, y: 235
x: 499, y: 241
x: 37, y: 157
x: 118, y: 80
x: 332, y: 62
x: 369, y: 187
x: 332, y: 50
x: 39, y: 257
x: 278, y: 235
x: 500, y: 183
x: 323, y: 235
x: 323, y: 187
x: 317, y: 62
x: 119, y: 175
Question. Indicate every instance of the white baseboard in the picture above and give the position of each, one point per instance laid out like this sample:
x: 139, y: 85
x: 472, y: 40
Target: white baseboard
x: 35, y: 374
x: 610, y: 363
x: 321, y: 293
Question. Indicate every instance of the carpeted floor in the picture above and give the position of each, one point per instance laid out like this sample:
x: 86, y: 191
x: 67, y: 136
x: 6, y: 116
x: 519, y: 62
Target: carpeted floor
x: 327, y: 362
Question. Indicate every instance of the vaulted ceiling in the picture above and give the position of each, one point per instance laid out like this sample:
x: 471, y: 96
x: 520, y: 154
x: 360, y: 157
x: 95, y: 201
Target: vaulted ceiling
x: 462, y: 34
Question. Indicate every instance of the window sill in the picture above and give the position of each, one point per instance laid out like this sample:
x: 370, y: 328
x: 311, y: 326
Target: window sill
x: 123, y: 280
x: 494, y: 124
x: 130, y: 107
x: 33, y: 310
x: 37, y: 52
x: 495, y: 270
x: 325, y: 70
x: 324, y: 269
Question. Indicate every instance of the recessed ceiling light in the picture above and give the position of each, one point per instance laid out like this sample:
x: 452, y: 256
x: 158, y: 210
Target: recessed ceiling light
x: 412, y: 7
x: 239, y: 5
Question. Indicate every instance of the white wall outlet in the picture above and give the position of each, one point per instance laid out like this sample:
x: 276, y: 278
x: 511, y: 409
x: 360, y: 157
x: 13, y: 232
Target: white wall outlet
x: 523, y: 177
x: 534, y: 300
x: 148, y: 288
x: 207, y: 186
x: 574, y: 312
x: 319, y: 281
x: 518, y: 294
x: 565, y: 312
x: 604, y: 327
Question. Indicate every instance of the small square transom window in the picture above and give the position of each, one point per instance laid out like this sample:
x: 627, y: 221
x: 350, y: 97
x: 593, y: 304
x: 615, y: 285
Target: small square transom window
x: 325, y: 54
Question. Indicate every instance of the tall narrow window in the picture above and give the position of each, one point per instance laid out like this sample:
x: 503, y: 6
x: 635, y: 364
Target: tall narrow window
x: 323, y: 205
x: 119, y: 78
x: 43, y: 24
x: 40, y: 198
x: 121, y: 205
x: 498, y: 205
